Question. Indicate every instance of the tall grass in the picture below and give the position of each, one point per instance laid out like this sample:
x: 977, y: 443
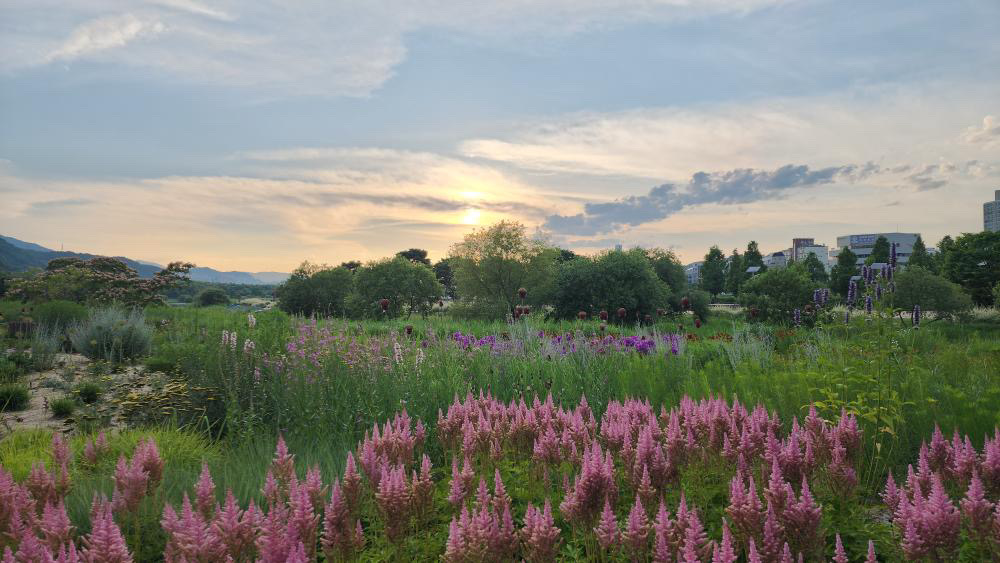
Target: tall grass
x: 112, y: 334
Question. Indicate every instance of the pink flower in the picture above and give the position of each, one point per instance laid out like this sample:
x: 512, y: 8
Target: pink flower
x: 636, y: 536
x: 104, y: 543
x: 607, y: 528
x: 540, y: 534
x: 205, y: 493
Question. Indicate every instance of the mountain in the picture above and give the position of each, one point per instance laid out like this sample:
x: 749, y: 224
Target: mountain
x: 18, y: 256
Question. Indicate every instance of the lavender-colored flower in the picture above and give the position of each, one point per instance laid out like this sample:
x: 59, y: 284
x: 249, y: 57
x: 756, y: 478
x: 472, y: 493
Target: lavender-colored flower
x: 847, y: 316
x: 892, y: 255
x: 852, y: 292
x: 797, y: 317
x: 916, y: 316
x: 868, y: 304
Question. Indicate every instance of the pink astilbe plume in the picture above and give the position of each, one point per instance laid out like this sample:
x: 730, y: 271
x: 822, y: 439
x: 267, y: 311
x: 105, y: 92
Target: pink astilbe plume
x: 190, y: 538
x: 148, y: 457
x: 423, y: 486
x: 393, y: 500
x: 351, y: 485
x: 94, y: 450
x: 636, y: 535
x: 725, y: 552
x: 275, y: 539
x: 871, y: 553
x: 205, y: 493
x: 607, y: 531
x: 132, y: 483
x: 55, y: 527
x: 41, y: 485
x: 842, y: 476
x: 104, y: 543
x: 236, y: 528
x: 283, y: 464
x: 302, y: 518
x: 977, y: 510
x: 540, y: 535
x: 801, y: 521
x: 839, y: 555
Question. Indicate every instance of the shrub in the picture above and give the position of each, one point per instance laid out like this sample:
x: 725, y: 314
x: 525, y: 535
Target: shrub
x: 410, y: 287
x: 776, y: 293
x: 478, y: 309
x: 62, y: 407
x: 933, y: 293
x: 14, y: 397
x: 314, y: 289
x: 8, y: 370
x: 44, y: 345
x: 112, y: 334
x: 59, y: 314
x: 608, y: 281
x: 88, y: 391
x: 211, y: 296
x: 700, y: 301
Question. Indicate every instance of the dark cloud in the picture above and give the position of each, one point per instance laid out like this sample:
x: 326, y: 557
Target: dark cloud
x: 743, y: 185
x: 58, y: 204
x: 925, y: 180
x: 427, y: 203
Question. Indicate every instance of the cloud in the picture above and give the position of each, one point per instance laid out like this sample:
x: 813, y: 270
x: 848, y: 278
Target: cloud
x: 311, y: 47
x: 731, y: 187
x: 986, y: 133
x: 56, y: 205
x: 104, y: 33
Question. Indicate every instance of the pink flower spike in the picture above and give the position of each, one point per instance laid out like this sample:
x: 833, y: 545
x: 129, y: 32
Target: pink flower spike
x: 839, y: 555
x: 607, y: 528
x: 205, y: 493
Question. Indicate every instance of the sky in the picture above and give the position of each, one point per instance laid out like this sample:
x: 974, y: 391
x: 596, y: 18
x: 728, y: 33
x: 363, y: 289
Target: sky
x: 255, y: 135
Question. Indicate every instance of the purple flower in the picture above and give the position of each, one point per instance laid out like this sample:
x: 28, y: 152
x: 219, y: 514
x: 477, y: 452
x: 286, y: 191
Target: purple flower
x: 916, y: 316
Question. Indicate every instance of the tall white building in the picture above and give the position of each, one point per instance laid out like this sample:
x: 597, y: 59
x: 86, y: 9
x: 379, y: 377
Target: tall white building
x: 991, y: 213
x: 862, y: 245
x: 693, y: 272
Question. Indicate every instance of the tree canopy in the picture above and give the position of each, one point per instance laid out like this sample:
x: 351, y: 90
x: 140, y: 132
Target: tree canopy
x: 918, y: 286
x: 973, y: 261
x: 607, y: 282
x: 735, y: 272
x: 98, y: 280
x: 411, y: 287
x: 713, y: 271
x: 842, y: 272
x: 816, y: 269
x: 315, y: 289
x: 415, y: 255
x: 880, y: 251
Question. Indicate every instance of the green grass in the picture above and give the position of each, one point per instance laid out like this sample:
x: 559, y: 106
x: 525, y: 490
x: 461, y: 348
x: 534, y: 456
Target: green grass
x: 14, y: 397
x: 62, y: 407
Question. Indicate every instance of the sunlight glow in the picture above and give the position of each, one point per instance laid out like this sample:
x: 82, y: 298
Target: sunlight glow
x: 471, y: 217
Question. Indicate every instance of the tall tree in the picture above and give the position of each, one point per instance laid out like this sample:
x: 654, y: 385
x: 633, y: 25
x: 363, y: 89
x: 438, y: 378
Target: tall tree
x: 920, y: 257
x: 410, y: 287
x: 491, y: 264
x: 973, y: 262
x: 735, y: 272
x: 442, y: 269
x: 841, y: 273
x: 816, y: 268
x: 880, y: 251
x: 415, y: 255
x: 753, y: 257
x: 351, y: 265
x: 713, y: 271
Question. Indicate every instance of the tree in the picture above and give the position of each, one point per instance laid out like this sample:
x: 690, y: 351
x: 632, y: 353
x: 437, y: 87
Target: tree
x: 713, y: 271
x: 735, y: 272
x: 607, y: 282
x: 816, y: 268
x: 351, y: 265
x: 918, y: 286
x: 565, y: 255
x: 211, y: 296
x: 315, y: 289
x: 99, y: 280
x: 843, y: 271
x: 973, y: 261
x: 752, y: 257
x: 776, y: 293
x: 411, y: 287
x: 445, y: 275
x: 491, y: 264
x: 920, y: 257
x: 671, y: 272
x: 415, y: 255
x: 880, y: 252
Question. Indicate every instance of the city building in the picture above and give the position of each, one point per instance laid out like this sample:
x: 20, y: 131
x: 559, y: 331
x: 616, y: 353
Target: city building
x: 862, y: 245
x: 803, y: 247
x: 798, y: 243
x: 991, y: 213
x: 777, y: 260
x: 693, y: 272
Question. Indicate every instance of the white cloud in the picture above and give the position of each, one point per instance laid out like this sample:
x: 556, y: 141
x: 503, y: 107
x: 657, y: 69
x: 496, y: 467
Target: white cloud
x: 986, y: 133
x: 307, y: 47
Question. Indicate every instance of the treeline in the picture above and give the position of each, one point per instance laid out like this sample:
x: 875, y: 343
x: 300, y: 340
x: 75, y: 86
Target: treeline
x: 189, y: 292
x: 495, y: 272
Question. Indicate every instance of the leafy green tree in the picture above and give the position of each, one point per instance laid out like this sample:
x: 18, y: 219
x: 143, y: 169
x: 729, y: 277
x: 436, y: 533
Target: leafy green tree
x: 607, y: 282
x: 776, y: 293
x: 841, y: 273
x: 996, y: 295
x: 566, y: 255
x: 211, y: 296
x: 816, y: 269
x: 351, y: 265
x: 735, y: 272
x: 492, y: 263
x: 445, y: 275
x: 315, y: 289
x: 920, y: 257
x: 752, y: 257
x: 973, y: 262
x: 99, y: 280
x: 918, y: 286
x: 880, y: 251
x: 671, y: 272
x: 713, y: 271
x: 411, y: 287
x: 415, y: 255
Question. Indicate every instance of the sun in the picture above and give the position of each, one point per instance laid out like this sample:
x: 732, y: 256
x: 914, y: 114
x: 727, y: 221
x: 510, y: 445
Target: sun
x: 471, y: 217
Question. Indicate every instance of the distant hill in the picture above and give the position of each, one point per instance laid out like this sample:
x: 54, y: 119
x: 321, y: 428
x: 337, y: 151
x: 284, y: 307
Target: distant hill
x: 19, y: 256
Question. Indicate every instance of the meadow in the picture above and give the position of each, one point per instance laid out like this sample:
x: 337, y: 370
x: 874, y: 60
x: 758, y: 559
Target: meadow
x: 430, y: 407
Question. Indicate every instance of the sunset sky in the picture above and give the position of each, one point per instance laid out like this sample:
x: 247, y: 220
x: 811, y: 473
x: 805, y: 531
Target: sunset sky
x: 254, y: 135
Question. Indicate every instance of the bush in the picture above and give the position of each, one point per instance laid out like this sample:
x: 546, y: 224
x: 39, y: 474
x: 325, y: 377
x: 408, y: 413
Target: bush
x: 44, y: 345
x: 918, y: 286
x: 314, y: 289
x: 112, y: 334
x: 14, y: 397
x: 88, y: 391
x: 776, y: 293
x: 700, y: 301
x: 410, y: 287
x: 59, y: 314
x: 62, y: 407
x: 211, y: 296
x: 608, y: 281
x: 478, y: 309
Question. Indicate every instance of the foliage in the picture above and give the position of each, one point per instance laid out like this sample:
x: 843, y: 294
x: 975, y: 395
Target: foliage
x: 98, y: 280
x: 415, y: 255
x: 112, y: 334
x: 918, y: 286
x: 920, y: 257
x: 843, y: 271
x: 411, y: 287
x: 776, y: 293
x: 315, y: 290
x: 14, y: 397
x: 185, y: 293
x: 62, y: 407
x: 699, y: 302
x: 670, y: 270
x: 752, y: 257
x: 442, y: 269
x: 880, y: 252
x: 45, y: 343
x: 609, y: 281
x: 816, y: 269
x: 210, y: 296
x: 713, y: 271
x: 996, y: 295
x: 973, y: 261
x: 88, y: 391
x: 58, y: 314
x: 735, y: 271
x: 494, y: 262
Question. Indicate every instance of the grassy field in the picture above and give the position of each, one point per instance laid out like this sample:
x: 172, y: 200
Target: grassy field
x: 323, y: 385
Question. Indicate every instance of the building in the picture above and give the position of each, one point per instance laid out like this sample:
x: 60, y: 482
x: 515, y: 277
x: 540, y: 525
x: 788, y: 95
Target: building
x: 798, y: 243
x: 862, y: 245
x: 693, y: 272
x: 777, y: 260
x: 991, y: 213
